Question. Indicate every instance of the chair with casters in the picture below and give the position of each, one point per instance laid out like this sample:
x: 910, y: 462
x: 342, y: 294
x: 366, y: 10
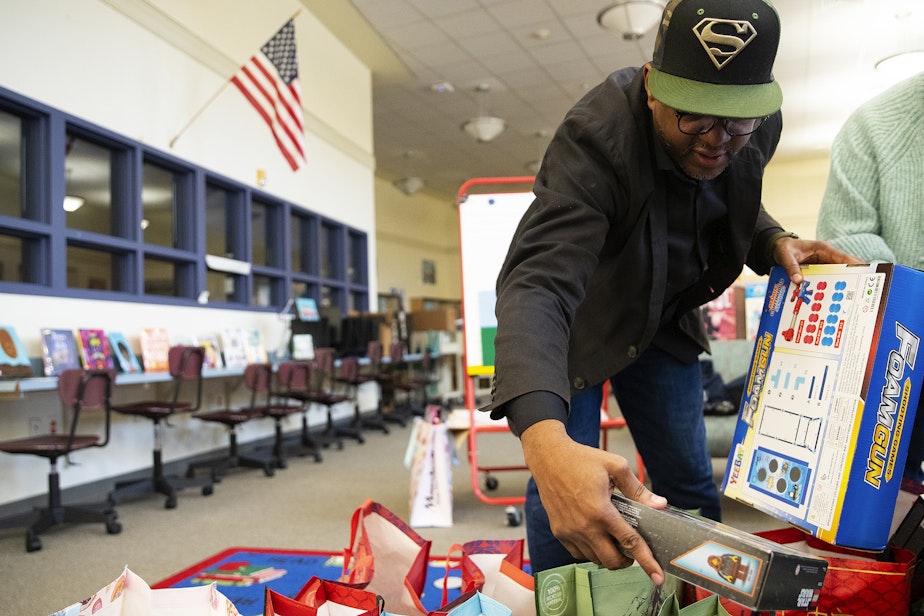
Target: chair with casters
x: 413, y: 379
x: 323, y: 392
x: 384, y: 375
x: 352, y: 377
x: 292, y: 379
x: 257, y: 379
x: 185, y: 366
x: 79, y: 391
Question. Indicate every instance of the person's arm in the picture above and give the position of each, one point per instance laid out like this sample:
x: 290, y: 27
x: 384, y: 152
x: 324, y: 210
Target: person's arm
x: 849, y: 215
x: 575, y: 483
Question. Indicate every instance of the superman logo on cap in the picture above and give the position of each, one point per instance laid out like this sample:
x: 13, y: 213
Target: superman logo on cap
x: 723, y: 39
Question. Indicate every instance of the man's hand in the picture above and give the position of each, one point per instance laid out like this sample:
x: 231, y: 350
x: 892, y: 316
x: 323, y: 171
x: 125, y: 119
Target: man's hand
x: 792, y: 252
x: 575, y: 483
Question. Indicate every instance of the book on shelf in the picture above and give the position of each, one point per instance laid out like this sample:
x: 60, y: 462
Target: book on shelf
x: 13, y: 359
x: 94, y: 349
x: 209, y: 342
x: 123, y: 354
x: 255, y: 347
x: 302, y: 346
x: 59, y: 351
x: 307, y: 309
x: 234, y: 347
x: 155, y: 349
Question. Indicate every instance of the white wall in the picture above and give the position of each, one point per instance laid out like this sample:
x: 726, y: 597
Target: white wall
x: 411, y: 229
x: 143, y: 69
x: 793, y: 189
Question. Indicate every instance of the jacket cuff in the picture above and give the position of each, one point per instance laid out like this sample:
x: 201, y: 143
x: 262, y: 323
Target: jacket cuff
x: 533, y: 407
x: 770, y: 244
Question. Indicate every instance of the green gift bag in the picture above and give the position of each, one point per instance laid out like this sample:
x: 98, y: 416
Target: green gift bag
x: 587, y: 589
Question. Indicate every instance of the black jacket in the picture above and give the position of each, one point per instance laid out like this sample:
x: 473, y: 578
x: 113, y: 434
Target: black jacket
x: 581, y: 292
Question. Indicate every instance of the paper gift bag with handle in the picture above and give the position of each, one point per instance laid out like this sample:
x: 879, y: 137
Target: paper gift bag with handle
x: 586, y: 589
x: 129, y: 595
x: 473, y: 603
x: 495, y: 568
x: 857, y: 583
x: 386, y: 557
x: 320, y: 597
x: 430, y: 461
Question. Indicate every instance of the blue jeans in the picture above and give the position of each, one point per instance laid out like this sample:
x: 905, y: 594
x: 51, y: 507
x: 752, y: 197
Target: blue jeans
x: 662, y: 402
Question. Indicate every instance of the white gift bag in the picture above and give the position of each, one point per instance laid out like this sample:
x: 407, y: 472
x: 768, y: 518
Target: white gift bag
x: 431, y: 472
x: 129, y: 595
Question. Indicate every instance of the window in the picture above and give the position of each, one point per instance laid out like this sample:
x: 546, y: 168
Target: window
x: 12, y: 143
x: 303, y: 243
x: 160, y: 206
x: 23, y: 222
x: 87, y: 213
x: 88, y: 186
x: 16, y: 259
x: 331, y: 251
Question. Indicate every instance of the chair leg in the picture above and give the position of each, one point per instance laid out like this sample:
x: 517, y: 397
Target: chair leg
x: 371, y: 421
x: 158, y: 482
x: 303, y: 444
x: 38, y: 521
x: 218, y: 466
x: 335, y: 431
x: 325, y: 438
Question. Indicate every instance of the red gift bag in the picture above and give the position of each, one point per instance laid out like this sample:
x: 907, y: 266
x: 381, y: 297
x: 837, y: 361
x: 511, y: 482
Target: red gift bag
x: 319, y: 596
x: 495, y: 568
x: 855, y: 584
x: 388, y: 558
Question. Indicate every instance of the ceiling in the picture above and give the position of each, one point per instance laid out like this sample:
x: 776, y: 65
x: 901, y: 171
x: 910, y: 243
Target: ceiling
x: 538, y: 57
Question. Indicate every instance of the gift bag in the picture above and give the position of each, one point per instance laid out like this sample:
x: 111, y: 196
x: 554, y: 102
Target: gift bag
x: 495, y: 568
x: 324, y: 598
x: 129, y: 595
x: 430, y: 460
x: 386, y: 557
x: 855, y: 584
x: 473, y: 603
x: 586, y: 589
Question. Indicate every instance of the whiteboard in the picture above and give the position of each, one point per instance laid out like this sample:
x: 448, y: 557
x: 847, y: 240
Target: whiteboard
x: 487, y: 223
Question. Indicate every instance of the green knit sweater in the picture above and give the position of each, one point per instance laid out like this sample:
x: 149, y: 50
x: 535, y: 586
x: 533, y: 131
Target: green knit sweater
x: 873, y: 205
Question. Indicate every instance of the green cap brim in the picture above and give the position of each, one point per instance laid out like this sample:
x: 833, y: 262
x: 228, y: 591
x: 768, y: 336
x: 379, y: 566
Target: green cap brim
x: 724, y: 101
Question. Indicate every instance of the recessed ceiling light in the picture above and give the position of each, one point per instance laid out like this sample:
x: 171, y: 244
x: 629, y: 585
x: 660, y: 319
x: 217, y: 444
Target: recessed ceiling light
x: 541, y: 34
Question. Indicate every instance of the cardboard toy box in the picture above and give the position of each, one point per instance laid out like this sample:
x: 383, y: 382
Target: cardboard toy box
x: 747, y: 569
x: 829, y: 401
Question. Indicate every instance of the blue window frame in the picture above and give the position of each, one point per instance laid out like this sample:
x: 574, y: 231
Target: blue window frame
x: 87, y: 213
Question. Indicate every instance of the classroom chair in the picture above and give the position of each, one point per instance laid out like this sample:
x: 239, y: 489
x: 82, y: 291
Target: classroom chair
x: 323, y: 392
x: 292, y: 379
x: 352, y: 377
x: 79, y: 391
x: 257, y: 379
x: 185, y: 366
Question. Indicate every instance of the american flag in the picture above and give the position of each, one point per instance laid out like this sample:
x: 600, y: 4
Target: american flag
x: 269, y: 80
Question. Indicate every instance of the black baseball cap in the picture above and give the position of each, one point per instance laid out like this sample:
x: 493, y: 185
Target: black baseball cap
x: 715, y: 57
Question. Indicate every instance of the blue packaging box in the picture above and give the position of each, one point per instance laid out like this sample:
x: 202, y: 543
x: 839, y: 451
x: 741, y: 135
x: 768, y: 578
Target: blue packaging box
x: 830, y: 400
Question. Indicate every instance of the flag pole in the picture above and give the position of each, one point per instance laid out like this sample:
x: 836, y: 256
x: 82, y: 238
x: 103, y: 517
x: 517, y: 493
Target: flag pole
x: 199, y: 112
x: 211, y: 100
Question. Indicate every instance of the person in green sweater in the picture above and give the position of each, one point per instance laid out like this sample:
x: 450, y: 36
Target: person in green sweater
x: 873, y: 205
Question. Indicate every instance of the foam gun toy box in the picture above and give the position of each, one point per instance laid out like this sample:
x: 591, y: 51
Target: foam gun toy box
x: 830, y: 399
x: 747, y: 569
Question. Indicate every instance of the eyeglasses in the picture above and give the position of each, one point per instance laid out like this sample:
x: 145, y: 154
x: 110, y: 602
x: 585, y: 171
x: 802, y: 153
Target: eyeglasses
x: 696, y: 124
